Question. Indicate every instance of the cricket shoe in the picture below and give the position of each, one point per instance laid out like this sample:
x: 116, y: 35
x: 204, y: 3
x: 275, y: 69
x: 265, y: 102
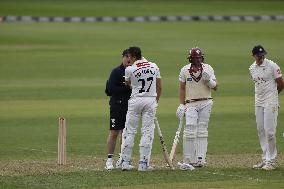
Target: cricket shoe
x: 259, y: 165
x: 199, y: 163
x: 268, y: 166
x: 143, y: 166
x: 118, y: 165
x: 109, y: 165
x: 126, y: 166
x: 185, y: 166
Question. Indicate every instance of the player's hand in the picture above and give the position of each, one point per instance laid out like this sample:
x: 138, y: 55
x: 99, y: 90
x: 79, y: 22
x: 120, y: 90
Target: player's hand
x: 181, y: 111
x: 205, y: 76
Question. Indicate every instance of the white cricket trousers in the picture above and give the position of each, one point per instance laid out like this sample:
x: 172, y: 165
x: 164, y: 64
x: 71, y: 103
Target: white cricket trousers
x: 266, y: 122
x: 195, y: 134
x: 144, y: 107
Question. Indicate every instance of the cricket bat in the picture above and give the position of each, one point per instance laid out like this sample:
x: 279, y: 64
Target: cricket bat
x: 164, y: 148
x: 176, y: 140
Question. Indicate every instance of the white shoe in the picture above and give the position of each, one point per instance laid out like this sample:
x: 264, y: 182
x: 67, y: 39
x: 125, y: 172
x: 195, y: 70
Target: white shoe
x: 143, y: 166
x: 125, y: 166
x: 109, y: 165
x: 199, y: 163
x: 259, y: 165
x: 185, y: 166
x: 268, y: 166
x: 119, y: 162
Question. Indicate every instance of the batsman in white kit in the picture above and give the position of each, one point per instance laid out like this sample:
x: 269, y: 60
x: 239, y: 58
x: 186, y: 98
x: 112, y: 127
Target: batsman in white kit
x: 145, y: 81
x: 267, y: 78
x: 196, y: 80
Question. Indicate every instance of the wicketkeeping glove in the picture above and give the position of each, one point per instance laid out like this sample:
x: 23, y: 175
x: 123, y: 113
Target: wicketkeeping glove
x: 181, y: 111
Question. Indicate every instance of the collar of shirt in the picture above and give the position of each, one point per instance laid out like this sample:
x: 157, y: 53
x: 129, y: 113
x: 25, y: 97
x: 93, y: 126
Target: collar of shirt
x: 140, y: 61
x: 122, y: 67
x: 264, y: 63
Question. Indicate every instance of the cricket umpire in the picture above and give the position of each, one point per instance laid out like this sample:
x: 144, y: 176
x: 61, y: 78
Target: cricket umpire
x: 119, y: 94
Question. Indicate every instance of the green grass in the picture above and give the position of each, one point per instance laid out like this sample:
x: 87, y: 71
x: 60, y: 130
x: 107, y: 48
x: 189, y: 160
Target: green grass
x: 139, y: 8
x: 206, y: 178
x: 50, y: 70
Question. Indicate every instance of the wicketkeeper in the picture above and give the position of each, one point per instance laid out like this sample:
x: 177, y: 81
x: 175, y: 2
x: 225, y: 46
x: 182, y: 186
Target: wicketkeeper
x: 196, y: 80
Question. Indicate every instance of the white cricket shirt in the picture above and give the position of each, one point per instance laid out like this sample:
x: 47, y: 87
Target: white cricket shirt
x: 264, y: 76
x: 195, y: 88
x: 143, y: 75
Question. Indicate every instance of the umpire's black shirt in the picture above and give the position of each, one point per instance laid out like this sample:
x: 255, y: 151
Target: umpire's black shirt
x: 116, y: 85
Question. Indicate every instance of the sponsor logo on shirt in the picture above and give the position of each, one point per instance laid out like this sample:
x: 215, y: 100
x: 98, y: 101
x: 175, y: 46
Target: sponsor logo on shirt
x: 112, y: 122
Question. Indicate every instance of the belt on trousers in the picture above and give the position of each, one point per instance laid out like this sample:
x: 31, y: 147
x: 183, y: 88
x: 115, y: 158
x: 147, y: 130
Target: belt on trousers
x: 197, y: 99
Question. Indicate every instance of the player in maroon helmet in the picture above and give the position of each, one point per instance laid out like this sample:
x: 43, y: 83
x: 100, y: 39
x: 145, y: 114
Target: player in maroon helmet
x: 196, y: 80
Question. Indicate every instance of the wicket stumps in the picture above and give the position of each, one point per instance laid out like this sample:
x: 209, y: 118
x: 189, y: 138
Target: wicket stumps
x: 62, y: 141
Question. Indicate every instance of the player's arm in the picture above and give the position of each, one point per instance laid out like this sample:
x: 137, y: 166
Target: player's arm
x: 278, y: 77
x: 158, y: 88
x: 210, y: 79
x: 128, y: 83
x: 280, y: 84
x: 158, y: 84
x: 127, y: 77
x: 216, y: 86
x: 181, y: 108
x: 181, y: 92
x: 250, y: 73
x: 212, y: 83
x: 115, y: 85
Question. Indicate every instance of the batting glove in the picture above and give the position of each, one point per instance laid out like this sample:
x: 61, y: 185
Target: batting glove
x: 181, y: 111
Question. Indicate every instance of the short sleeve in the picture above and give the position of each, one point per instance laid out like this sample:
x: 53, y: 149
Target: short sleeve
x: 250, y: 70
x: 127, y: 73
x: 211, y: 72
x: 276, y: 71
x: 158, y: 73
x: 182, y: 76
